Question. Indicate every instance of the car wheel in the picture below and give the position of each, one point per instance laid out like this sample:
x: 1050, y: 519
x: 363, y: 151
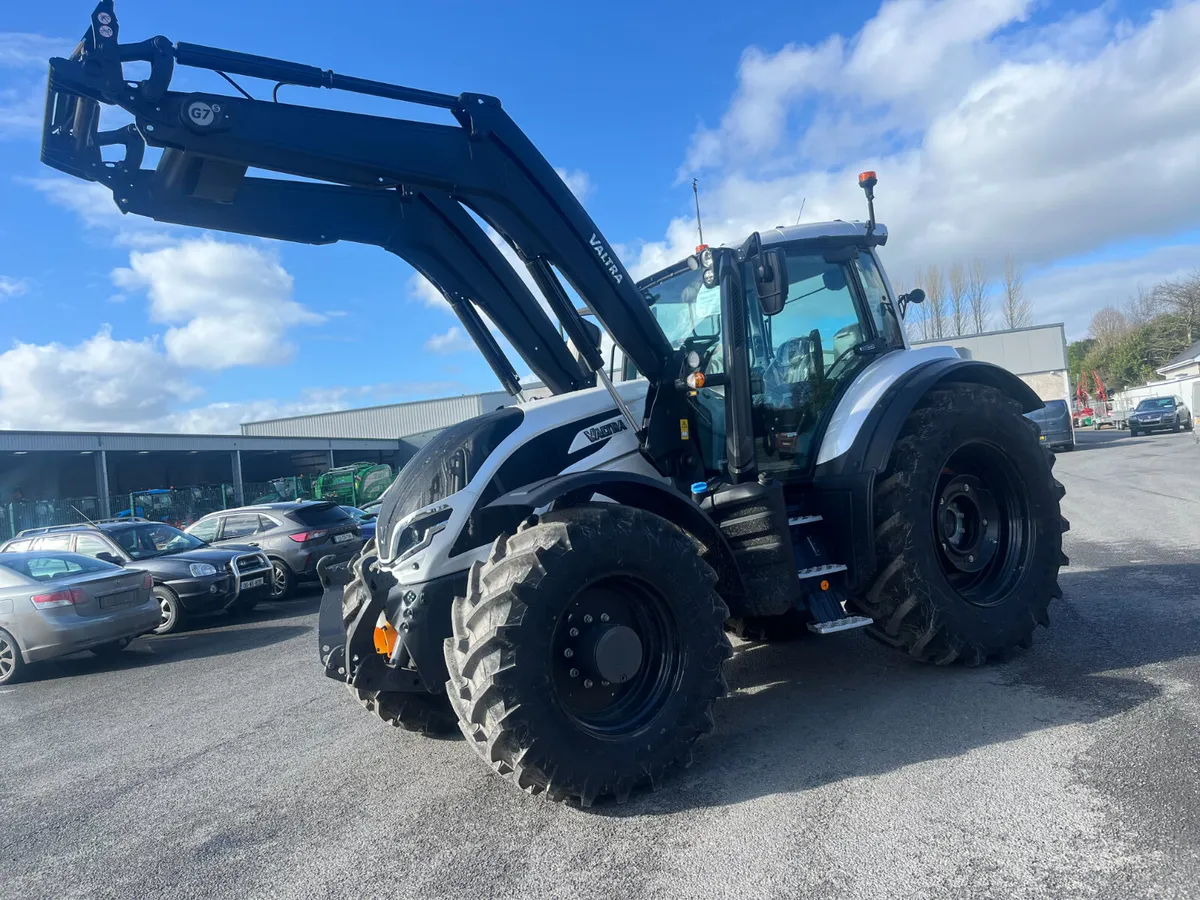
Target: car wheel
x: 112, y: 648
x: 11, y: 665
x: 1133, y: 432
x: 170, y: 610
x: 283, y: 582
x: 1176, y: 427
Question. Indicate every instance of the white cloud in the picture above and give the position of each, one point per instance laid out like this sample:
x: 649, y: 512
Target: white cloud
x: 94, y: 205
x: 227, y: 304
x: 12, y: 287
x: 21, y: 110
x: 421, y: 289
x: 100, y: 384
x: 990, y: 136
x: 453, y: 340
x: 577, y: 180
x: 22, y: 50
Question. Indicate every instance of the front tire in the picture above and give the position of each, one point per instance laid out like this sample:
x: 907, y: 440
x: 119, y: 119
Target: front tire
x: 171, y: 614
x: 588, y: 653
x: 968, y: 533
x: 283, y: 581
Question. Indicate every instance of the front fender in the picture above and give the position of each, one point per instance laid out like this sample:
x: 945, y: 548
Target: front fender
x: 643, y: 492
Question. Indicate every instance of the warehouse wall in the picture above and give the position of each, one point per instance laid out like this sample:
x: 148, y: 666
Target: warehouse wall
x: 1037, y: 355
x: 392, y: 421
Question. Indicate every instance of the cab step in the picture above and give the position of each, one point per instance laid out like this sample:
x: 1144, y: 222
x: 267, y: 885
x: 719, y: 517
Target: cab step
x: 821, y: 571
x: 843, y: 624
x: 803, y: 520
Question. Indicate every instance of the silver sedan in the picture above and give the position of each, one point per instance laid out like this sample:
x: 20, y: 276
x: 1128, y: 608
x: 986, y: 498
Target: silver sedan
x: 53, y: 603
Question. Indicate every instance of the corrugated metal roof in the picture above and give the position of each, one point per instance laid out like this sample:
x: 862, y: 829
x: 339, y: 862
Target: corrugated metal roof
x: 392, y: 421
x: 92, y: 440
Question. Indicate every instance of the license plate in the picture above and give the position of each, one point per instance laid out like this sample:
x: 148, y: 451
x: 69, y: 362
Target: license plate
x: 342, y: 538
x: 254, y: 582
x: 114, y: 600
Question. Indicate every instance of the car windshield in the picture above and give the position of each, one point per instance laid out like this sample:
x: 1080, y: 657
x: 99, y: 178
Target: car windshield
x: 146, y: 541
x: 1156, y: 403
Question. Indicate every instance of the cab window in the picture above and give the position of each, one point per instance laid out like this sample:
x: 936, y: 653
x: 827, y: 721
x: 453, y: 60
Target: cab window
x: 205, y: 529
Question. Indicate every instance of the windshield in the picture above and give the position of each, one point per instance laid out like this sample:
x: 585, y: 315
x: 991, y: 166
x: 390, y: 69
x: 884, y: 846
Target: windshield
x: 1157, y: 403
x: 684, y: 308
x: 146, y: 541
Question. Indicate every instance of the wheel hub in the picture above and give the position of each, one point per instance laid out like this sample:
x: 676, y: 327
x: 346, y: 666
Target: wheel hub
x: 617, y: 653
x: 967, y: 523
x: 613, y: 658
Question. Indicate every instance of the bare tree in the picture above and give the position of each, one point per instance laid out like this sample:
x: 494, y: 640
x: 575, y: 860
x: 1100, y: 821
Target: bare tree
x: 1181, y: 299
x: 977, y: 296
x: 916, y: 318
x: 1141, y: 307
x: 1108, y: 326
x: 1015, y: 308
x: 935, y: 303
x: 960, y: 312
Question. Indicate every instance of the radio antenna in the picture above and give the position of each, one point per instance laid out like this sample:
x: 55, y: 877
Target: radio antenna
x: 799, y: 214
x: 696, y: 194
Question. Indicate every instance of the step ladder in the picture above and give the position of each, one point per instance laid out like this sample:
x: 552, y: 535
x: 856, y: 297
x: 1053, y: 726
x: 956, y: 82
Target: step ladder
x: 826, y: 606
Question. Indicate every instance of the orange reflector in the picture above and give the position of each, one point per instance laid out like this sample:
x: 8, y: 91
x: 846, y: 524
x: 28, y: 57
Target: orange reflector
x: 864, y: 177
x: 385, y: 639
x: 695, y: 381
x: 824, y: 584
x: 701, y: 247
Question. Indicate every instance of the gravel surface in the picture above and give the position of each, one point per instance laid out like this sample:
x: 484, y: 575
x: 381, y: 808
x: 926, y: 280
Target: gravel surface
x: 220, y: 763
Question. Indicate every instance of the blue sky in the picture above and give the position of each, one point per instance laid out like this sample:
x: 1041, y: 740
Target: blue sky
x: 1062, y: 133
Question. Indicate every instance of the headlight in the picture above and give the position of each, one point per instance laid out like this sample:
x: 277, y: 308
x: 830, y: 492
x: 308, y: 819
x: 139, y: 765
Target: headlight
x: 419, y: 532
x: 199, y: 570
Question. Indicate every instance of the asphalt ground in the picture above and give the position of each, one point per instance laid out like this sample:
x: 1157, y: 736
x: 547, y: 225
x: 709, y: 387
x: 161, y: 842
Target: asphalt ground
x: 219, y: 763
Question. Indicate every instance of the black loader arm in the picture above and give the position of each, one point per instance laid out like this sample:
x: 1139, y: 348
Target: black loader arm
x: 424, y: 171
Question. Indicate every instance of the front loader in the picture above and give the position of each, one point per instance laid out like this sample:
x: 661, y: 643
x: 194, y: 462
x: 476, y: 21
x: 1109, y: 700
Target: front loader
x: 557, y: 579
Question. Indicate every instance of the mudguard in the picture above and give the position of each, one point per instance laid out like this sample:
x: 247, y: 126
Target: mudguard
x: 844, y: 483
x: 643, y: 492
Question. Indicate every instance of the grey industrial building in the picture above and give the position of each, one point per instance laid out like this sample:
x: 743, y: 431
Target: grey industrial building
x: 1037, y: 355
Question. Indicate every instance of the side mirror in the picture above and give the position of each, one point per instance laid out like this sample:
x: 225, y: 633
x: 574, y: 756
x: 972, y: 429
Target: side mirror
x: 110, y: 558
x: 771, y: 281
x: 916, y: 295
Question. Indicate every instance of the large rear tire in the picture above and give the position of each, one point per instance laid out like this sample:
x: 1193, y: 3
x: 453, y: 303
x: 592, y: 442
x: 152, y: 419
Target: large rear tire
x: 588, y: 653
x: 968, y: 532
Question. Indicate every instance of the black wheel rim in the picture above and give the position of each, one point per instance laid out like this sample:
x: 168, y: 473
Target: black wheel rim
x: 617, y: 628
x: 278, y: 580
x: 982, y: 523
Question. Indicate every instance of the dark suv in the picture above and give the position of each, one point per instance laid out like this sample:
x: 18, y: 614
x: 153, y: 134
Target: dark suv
x: 1054, y: 422
x: 189, y: 576
x: 1160, y: 414
x: 294, y: 536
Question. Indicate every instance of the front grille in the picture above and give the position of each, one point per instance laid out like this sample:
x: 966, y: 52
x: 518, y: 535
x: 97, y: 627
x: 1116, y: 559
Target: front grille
x: 250, y: 563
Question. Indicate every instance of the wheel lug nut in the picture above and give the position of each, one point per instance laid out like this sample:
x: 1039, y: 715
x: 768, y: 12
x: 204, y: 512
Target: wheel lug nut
x: 587, y: 682
x: 985, y: 523
x: 604, y: 684
x: 568, y: 653
x: 588, y: 619
x: 970, y: 559
x: 603, y: 617
x: 574, y: 632
x: 574, y: 673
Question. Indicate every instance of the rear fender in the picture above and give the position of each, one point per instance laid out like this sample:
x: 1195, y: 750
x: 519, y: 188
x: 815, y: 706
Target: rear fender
x: 642, y: 492
x: 844, y: 483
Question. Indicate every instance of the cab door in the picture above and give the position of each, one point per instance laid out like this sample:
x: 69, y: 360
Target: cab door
x: 803, y: 358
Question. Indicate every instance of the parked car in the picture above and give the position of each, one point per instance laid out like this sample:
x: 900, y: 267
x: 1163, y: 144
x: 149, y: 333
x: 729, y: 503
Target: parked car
x: 54, y: 602
x: 365, y: 520
x: 1160, y: 414
x: 293, y: 535
x: 1054, y: 423
x: 189, y: 576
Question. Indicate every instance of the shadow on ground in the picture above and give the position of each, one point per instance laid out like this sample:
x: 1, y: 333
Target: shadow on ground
x: 823, y: 710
